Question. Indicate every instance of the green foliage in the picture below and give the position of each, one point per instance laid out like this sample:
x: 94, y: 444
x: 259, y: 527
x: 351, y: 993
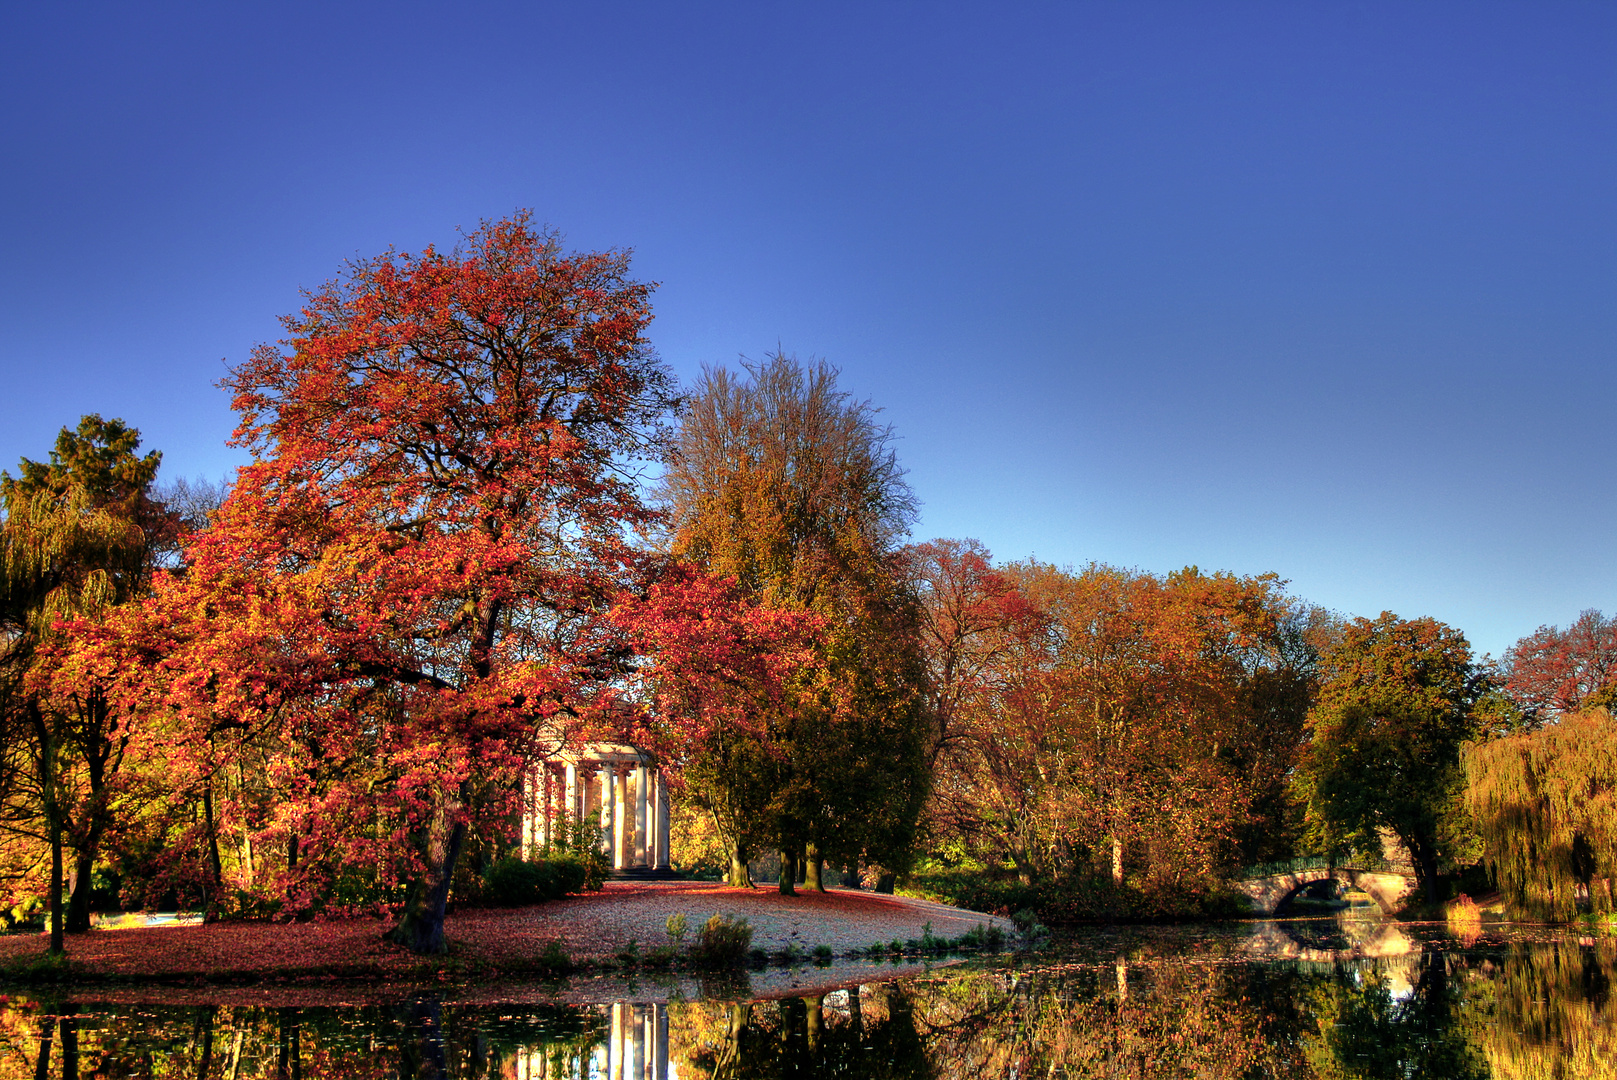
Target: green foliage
x: 723, y: 943
x: 515, y: 882
x: 984, y: 938
x: 1400, y: 699
x: 28, y: 914
x: 49, y: 967
x: 1546, y: 806
x: 785, y: 484
x: 1367, y: 1031
x: 553, y: 958
x: 676, y: 925
x: 1082, y: 894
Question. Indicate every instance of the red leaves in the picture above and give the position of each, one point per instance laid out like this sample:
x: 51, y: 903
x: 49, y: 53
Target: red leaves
x: 403, y: 601
x: 723, y: 664
x: 1554, y: 670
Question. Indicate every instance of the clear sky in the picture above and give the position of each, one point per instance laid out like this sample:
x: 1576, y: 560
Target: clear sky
x: 1325, y: 289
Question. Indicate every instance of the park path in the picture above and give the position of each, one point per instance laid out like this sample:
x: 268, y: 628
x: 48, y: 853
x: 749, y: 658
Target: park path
x: 599, y: 924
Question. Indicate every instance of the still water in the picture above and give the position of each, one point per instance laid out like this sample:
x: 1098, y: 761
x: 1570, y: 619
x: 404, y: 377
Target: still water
x: 1304, y: 998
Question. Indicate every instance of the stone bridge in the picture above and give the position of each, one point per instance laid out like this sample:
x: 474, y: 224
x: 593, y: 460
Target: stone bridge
x: 1388, y: 889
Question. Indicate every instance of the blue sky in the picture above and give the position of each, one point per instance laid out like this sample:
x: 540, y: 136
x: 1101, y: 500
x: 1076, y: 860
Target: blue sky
x: 1319, y: 289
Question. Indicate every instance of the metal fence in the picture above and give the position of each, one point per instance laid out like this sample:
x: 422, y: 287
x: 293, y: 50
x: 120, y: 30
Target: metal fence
x: 1322, y: 862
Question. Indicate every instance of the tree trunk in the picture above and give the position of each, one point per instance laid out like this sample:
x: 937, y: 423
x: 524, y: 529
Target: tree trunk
x: 205, y: 1017
x: 814, y: 1027
x: 53, y: 822
x: 78, y: 906
x: 42, y: 1064
x: 1117, y: 860
x: 289, y: 1063
x: 1024, y: 867
x: 57, y: 947
x: 850, y: 876
x: 740, y: 873
x: 1425, y: 858
x: 69, y: 1027
x: 421, y: 928
x: 885, y: 882
x: 788, y: 873
x: 216, y: 870
x: 813, y: 869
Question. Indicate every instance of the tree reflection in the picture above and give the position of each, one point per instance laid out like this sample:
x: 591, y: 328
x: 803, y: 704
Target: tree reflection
x: 1554, y: 1013
x: 1366, y: 1031
x: 1539, y: 1012
x: 869, y: 1034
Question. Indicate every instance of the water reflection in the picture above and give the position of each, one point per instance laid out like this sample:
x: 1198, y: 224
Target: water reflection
x: 1321, y: 1002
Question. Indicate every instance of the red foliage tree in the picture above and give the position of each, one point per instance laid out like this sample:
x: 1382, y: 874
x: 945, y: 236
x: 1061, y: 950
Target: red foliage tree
x: 1553, y: 671
x: 725, y: 678
x: 406, y: 592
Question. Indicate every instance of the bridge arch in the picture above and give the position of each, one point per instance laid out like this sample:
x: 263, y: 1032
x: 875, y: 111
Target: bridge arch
x: 1267, y: 893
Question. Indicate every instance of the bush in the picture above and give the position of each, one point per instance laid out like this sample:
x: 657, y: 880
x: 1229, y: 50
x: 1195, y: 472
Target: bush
x: 724, y: 942
x: 554, y: 958
x: 514, y: 882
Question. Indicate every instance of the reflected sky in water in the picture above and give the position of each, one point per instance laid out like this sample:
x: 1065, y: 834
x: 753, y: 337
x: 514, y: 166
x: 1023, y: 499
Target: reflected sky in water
x: 1304, y: 998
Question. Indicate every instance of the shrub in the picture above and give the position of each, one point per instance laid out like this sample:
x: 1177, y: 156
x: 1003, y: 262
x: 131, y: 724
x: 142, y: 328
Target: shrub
x: 676, y: 927
x: 1028, y: 927
x: 514, y: 882
x: 1464, y: 917
x: 553, y: 958
x: 985, y: 938
x: 724, y: 942
x: 822, y: 954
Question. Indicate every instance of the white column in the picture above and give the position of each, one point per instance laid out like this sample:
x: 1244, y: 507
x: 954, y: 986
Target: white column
x: 620, y: 812
x: 641, y: 1023
x: 660, y: 1055
x: 621, y: 1040
x: 606, y: 809
x: 570, y: 795
x: 527, y: 815
x: 546, y: 800
x: 641, y: 774
x: 664, y: 852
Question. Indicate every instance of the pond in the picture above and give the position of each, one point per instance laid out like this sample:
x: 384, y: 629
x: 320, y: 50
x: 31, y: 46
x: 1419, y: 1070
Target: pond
x: 1292, y: 998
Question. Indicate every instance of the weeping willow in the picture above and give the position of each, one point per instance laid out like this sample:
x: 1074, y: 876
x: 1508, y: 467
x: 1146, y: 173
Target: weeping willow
x: 1546, y: 807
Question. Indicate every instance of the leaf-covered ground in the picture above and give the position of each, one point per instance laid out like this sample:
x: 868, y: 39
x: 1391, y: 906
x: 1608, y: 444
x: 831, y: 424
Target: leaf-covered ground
x: 589, y: 927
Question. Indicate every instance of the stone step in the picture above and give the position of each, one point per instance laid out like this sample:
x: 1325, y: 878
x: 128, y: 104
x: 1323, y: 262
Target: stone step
x: 641, y: 873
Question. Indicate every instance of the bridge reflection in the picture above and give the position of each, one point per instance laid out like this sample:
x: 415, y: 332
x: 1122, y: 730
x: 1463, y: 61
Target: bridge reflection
x: 1328, y: 940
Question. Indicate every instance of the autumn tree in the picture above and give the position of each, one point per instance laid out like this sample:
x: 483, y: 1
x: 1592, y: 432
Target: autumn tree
x: 722, y: 676
x: 405, y: 593
x: 975, y: 625
x: 787, y: 485
x: 1399, y: 699
x: 1100, y: 723
x: 80, y: 535
x: 1545, y: 803
x: 1553, y: 670
x: 1147, y: 681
